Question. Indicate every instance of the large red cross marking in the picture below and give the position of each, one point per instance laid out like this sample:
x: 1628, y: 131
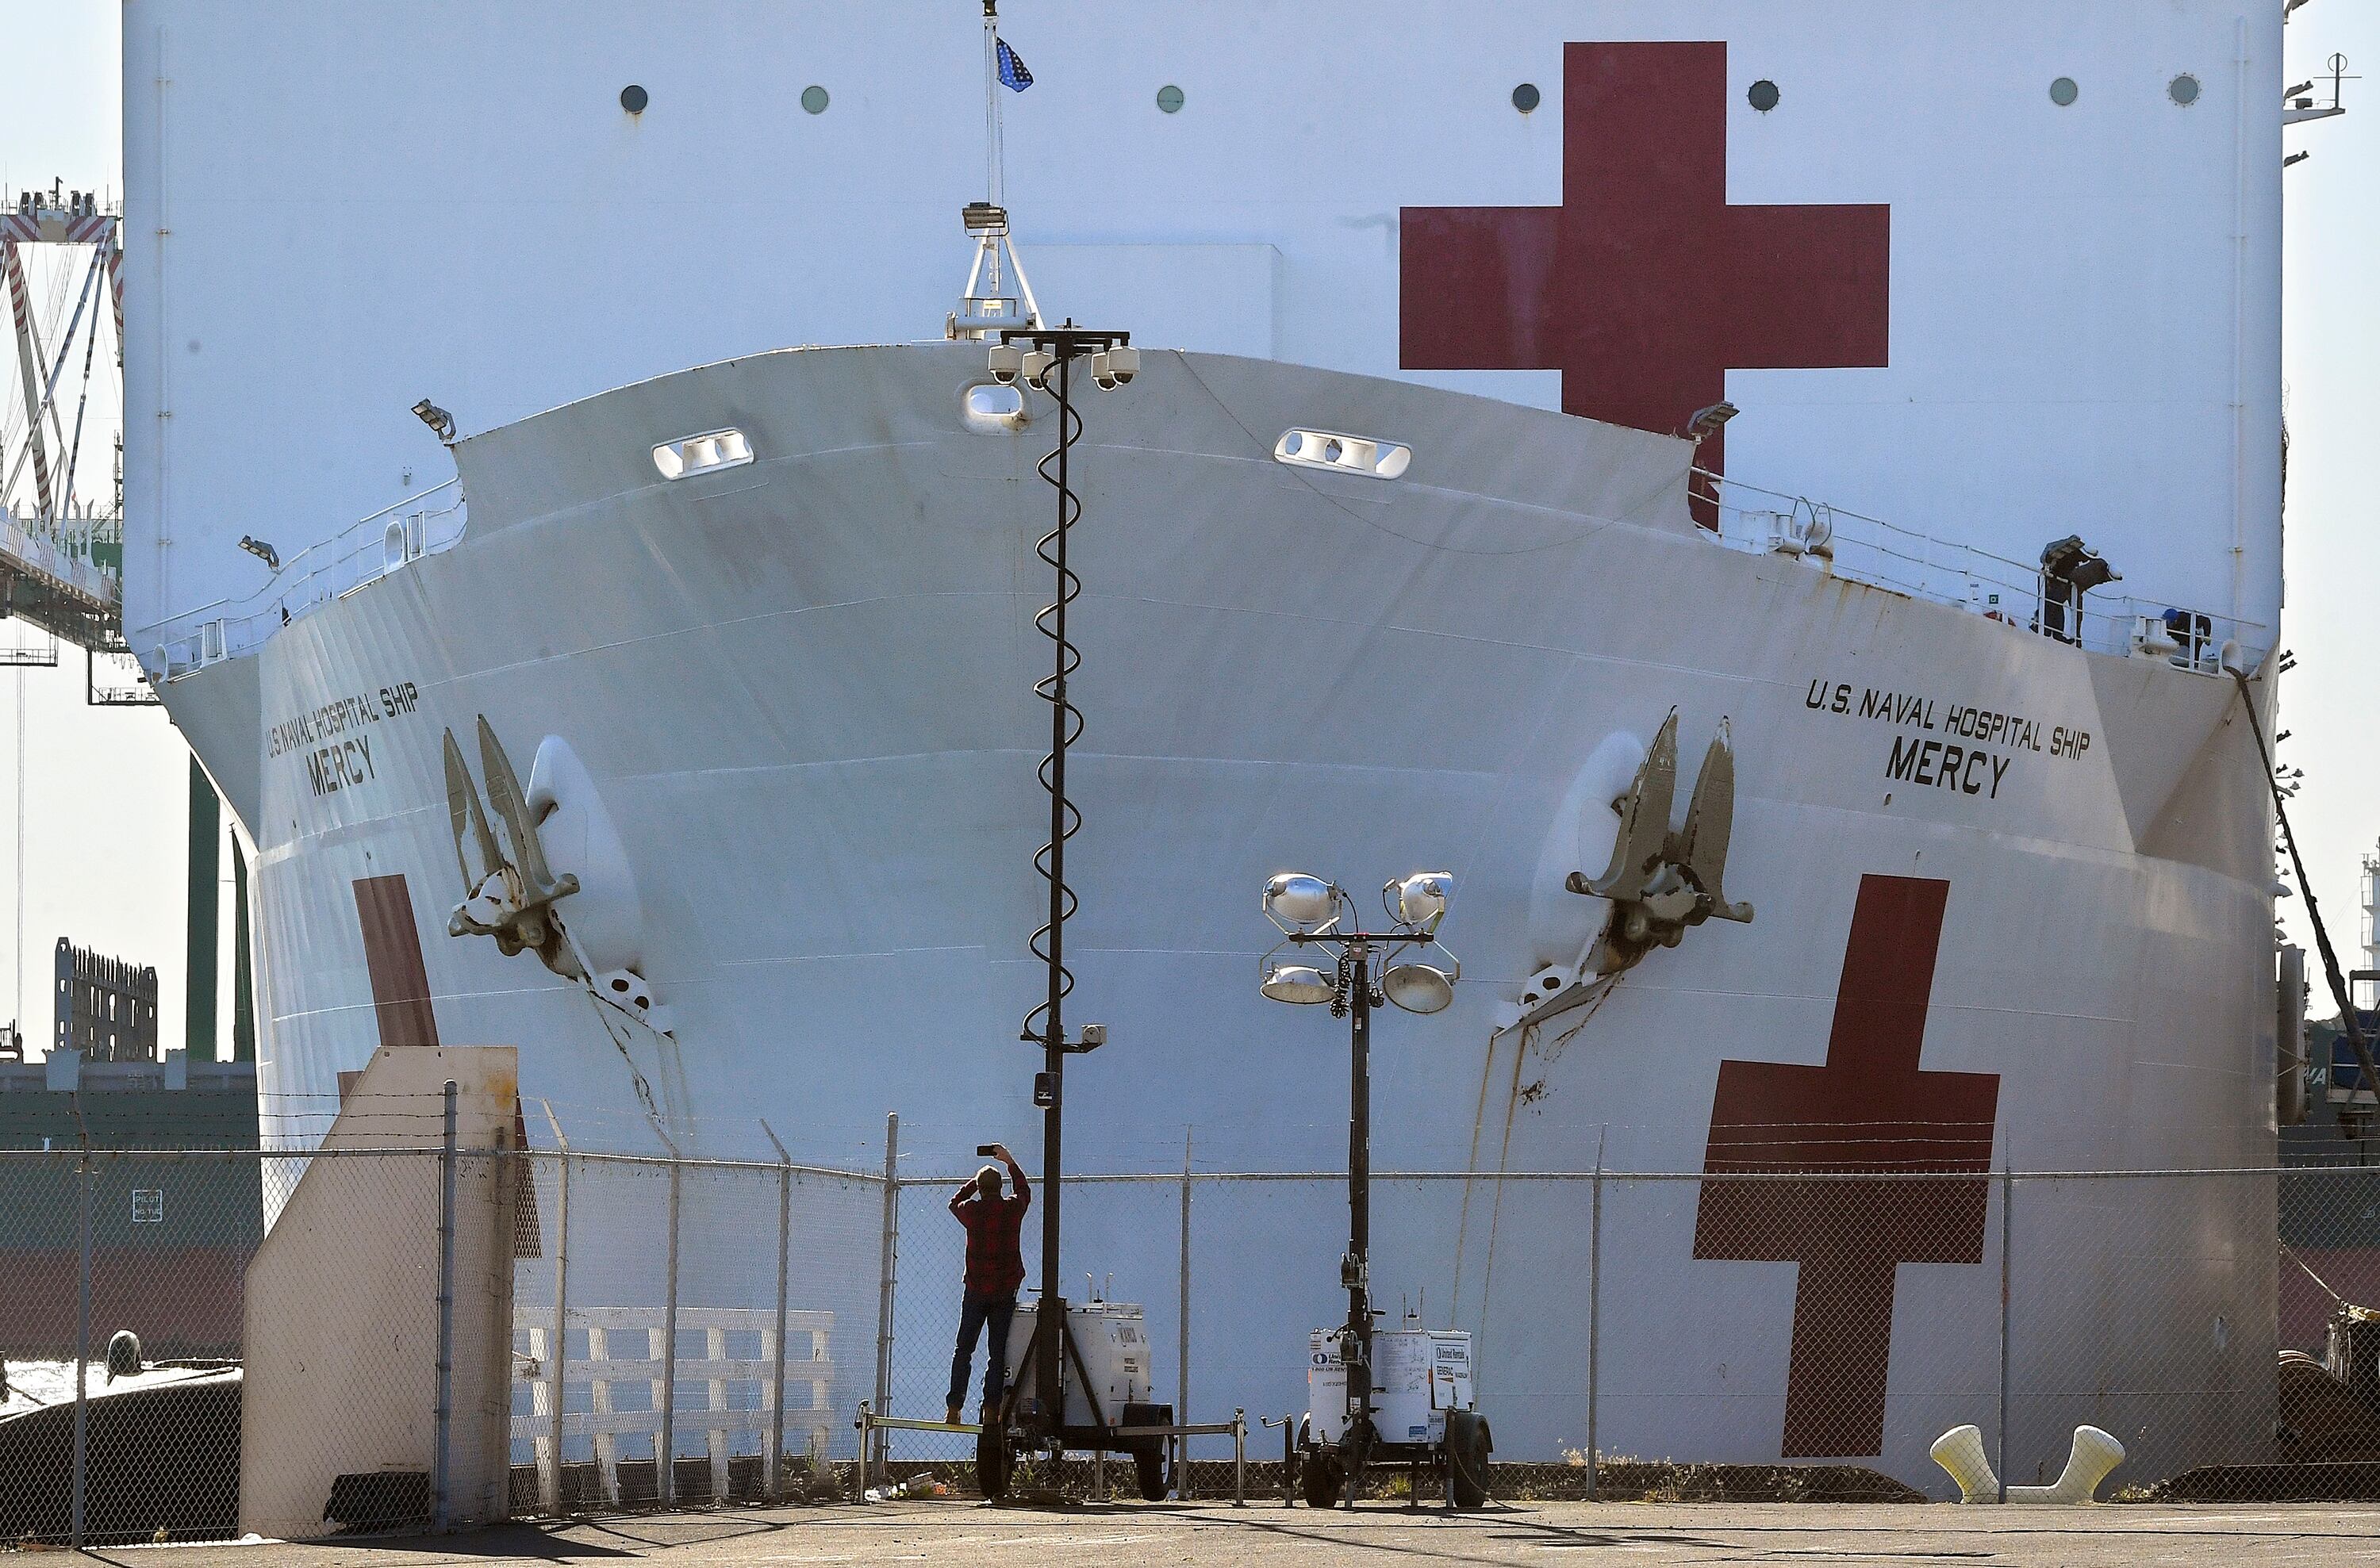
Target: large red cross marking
x: 1644, y: 289
x: 1869, y: 1109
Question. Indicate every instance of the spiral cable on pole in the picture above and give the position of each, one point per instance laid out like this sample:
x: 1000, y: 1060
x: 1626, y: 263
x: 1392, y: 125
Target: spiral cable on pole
x: 1066, y: 720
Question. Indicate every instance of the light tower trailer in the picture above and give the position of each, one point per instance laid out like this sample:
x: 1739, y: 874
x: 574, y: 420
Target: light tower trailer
x: 1421, y: 1416
x: 1410, y: 1400
x: 1105, y: 1407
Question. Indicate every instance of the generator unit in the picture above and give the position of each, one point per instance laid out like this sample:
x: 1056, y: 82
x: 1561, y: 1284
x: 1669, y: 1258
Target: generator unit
x: 1103, y: 1382
x: 1423, y: 1413
x: 1112, y: 1339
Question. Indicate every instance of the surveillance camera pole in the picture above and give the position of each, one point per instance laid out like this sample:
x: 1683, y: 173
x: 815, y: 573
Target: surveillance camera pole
x: 1046, y: 1023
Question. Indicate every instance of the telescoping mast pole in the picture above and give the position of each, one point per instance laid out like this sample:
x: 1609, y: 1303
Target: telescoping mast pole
x: 1049, y: 366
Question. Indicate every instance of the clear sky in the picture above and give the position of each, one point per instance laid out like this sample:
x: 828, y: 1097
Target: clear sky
x: 104, y: 793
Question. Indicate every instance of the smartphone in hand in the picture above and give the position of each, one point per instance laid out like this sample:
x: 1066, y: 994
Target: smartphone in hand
x: 985, y: 1150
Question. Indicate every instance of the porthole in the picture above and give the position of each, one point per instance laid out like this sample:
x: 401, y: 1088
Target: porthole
x: 634, y: 99
x: 1169, y: 99
x: 2183, y: 90
x: 814, y: 99
x: 1763, y: 95
x: 989, y: 407
x: 2063, y: 91
x: 1525, y: 97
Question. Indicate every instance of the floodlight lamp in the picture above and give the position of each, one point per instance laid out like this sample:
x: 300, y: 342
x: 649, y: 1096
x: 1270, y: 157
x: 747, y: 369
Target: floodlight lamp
x: 441, y: 423
x: 1418, y: 988
x: 1707, y: 421
x: 1296, y: 899
x: 2071, y: 561
x: 261, y: 550
x: 1300, y: 985
x: 1007, y: 363
x: 1420, y: 899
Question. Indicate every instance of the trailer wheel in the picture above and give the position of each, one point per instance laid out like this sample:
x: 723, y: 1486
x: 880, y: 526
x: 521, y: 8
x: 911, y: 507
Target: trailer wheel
x: 992, y: 1460
x: 1318, y: 1479
x: 1148, y: 1468
x: 1467, y: 1447
x: 1148, y: 1455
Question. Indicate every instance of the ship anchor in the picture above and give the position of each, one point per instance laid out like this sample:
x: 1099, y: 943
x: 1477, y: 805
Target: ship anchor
x: 1660, y: 882
x: 514, y: 897
x: 510, y: 899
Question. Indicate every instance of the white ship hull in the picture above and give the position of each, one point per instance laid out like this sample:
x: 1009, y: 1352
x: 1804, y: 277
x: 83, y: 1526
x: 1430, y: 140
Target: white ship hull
x: 803, y: 689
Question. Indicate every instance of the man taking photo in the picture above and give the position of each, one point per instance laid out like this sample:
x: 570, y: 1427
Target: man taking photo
x: 995, y: 1269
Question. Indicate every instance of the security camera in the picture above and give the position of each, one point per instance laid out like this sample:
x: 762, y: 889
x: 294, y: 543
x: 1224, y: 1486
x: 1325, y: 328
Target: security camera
x: 1036, y: 369
x: 1007, y: 363
x: 1111, y: 368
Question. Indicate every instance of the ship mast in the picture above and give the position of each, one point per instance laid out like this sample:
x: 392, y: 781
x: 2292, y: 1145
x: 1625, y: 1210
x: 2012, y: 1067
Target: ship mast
x: 987, y: 307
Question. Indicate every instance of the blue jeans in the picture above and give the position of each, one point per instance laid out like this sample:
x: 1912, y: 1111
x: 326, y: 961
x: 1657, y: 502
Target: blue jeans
x: 975, y: 1314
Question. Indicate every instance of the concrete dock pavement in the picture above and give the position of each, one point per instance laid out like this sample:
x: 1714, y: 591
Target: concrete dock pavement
x: 1264, y: 1535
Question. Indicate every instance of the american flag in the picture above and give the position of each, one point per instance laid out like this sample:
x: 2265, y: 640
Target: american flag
x: 1013, y: 73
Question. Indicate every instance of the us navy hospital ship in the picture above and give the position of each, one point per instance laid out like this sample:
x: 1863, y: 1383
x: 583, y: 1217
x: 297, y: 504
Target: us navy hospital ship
x: 1402, y: 550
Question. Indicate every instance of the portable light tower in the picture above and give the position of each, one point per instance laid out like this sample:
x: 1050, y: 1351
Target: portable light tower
x: 1309, y: 911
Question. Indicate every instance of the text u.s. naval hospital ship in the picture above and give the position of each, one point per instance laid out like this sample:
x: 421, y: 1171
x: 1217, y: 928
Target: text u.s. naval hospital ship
x: 1421, y: 537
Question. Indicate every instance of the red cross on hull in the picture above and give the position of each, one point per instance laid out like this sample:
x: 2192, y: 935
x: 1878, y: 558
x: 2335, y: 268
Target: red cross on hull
x: 1869, y: 1109
x: 1644, y: 289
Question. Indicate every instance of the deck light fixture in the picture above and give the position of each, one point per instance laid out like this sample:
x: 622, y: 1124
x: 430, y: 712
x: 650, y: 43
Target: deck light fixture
x: 441, y: 423
x: 1707, y: 421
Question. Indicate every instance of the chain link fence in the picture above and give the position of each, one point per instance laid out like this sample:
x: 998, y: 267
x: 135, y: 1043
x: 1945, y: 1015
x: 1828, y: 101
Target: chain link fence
x: 703, y: 1333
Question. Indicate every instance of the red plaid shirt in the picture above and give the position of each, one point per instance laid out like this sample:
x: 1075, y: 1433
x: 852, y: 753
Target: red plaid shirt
x: 995, y: 1258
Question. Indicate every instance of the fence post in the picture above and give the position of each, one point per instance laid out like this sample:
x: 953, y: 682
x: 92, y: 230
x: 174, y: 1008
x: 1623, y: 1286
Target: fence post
x: 550, y: 1483
x: 2007, y: 1230
x: 665, y: 1441
x: 772, y: 1472
x: 441, y: 1507
x: 887, y: 1281
x: 1239, y: 1458
x: 1182, y: 1353
x: 82, y: 1351
x: 1594, y: 1306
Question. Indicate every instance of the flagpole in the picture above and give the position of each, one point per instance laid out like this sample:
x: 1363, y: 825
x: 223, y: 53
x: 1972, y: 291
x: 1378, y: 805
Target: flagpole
x: 991, y: 101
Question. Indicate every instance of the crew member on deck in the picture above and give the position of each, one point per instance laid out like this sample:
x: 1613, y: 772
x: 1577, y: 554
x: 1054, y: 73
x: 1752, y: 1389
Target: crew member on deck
x: 995, y: 1268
